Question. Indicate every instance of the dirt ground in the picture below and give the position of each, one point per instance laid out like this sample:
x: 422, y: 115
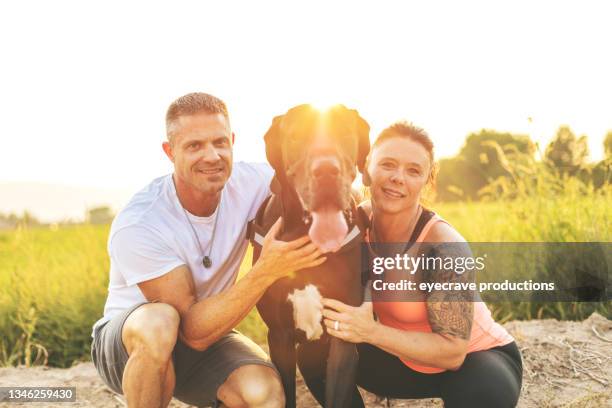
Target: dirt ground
x: 566, y: 364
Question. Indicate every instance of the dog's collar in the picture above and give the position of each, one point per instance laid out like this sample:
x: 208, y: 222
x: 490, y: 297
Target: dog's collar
x: 256, y: 232
x: 258, y: 238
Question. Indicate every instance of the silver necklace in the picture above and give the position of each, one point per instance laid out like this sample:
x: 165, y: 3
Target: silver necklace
x: 206, y: 261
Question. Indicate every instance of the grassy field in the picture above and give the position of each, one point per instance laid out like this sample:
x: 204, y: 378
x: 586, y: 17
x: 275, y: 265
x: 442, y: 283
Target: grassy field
x: 53, y: 281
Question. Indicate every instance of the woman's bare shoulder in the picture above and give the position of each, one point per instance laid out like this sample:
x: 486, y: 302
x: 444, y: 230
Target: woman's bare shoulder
x: 443, y: 232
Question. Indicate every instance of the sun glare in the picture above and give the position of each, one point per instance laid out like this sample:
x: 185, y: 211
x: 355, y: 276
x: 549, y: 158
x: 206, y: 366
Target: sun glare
x: 323, y: 104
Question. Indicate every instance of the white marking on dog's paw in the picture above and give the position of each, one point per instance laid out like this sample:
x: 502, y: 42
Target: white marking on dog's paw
x: 308, y: 311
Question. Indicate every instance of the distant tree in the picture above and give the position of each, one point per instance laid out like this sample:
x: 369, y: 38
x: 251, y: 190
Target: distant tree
x: 567, y: 153
x: 601, y: 173
x: 485, y: 157
x: 28, y: 219
x: 100, y: 215
x: 608, y: 145
x: 12, y: 220
x: 474, y: 142
x: 456, y: 180
x: 4, y: 222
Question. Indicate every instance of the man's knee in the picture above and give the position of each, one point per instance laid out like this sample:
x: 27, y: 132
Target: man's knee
x: 153, y: 329
x: 252, y: 386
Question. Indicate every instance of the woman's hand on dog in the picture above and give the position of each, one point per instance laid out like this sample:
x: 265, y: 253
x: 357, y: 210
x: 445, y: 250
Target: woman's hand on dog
x: 355, y: 324
x: 279, y: 258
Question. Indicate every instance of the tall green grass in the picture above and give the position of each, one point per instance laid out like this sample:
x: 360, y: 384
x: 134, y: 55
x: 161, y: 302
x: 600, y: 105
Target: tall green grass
x: 52, y: 286
x: 578, y: 214
x: 53, y: 282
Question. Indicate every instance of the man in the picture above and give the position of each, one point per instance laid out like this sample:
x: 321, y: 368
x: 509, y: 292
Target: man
x: 175, y: 251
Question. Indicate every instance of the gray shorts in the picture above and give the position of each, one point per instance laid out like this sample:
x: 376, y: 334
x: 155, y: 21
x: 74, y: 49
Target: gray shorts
x: 198, y: 373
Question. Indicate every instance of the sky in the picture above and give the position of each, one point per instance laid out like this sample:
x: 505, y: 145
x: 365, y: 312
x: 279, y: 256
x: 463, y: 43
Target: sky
x: 84, y: 86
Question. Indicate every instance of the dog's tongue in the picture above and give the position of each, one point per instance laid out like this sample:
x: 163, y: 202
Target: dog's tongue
x: 328, y: 230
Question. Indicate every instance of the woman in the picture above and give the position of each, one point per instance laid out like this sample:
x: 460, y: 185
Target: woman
x: 442, y: 346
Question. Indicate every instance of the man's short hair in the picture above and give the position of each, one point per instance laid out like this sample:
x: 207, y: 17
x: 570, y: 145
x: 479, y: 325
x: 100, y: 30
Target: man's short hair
x: 191, y: 104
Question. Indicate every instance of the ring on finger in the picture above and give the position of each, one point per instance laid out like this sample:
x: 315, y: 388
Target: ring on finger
x: 337, y: 325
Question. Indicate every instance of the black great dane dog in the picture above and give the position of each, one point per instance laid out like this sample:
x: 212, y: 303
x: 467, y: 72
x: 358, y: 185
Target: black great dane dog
x: 315, y: 155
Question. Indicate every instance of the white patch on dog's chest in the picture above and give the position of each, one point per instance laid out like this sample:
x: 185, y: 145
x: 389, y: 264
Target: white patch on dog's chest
x: 307, y: 311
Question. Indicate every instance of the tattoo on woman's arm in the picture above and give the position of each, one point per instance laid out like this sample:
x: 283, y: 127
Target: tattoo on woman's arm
x: 451, y: 312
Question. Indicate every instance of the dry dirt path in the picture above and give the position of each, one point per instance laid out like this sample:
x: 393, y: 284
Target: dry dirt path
x: 566, y: 364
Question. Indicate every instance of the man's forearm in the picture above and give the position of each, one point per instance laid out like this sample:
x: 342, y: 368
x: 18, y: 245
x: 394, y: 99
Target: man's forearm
x: 207, y: 320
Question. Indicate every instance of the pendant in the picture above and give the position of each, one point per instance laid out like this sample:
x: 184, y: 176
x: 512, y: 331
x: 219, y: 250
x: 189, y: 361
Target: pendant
x: 207, y: 262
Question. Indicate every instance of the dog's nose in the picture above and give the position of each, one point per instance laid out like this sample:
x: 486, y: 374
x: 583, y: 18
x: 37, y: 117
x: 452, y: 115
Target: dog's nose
x: 325, y: 166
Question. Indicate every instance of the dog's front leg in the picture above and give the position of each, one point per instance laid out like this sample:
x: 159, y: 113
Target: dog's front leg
x: 282, y: 353
x: 312, y: 361
x: 340, y: 388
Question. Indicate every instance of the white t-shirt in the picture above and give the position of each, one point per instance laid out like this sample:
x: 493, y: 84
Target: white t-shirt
x: 151, y: 236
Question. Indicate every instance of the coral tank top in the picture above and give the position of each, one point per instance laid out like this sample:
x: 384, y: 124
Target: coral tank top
x: 412, y: 316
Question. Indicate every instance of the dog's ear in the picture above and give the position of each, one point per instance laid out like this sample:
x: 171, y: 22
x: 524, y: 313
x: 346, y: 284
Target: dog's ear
x: 273, y: 145
x: 274, y: 154
x: 363, y: 131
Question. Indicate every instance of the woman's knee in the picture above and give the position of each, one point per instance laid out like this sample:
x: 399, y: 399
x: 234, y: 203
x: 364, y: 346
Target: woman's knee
x: 478, y: 395
x: 483, y: 380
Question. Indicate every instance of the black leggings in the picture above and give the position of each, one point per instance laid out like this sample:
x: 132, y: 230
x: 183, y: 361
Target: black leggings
x: 489, y: 378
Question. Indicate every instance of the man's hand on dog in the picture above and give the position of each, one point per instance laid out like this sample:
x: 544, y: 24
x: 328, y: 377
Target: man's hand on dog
x: 279, y: 258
